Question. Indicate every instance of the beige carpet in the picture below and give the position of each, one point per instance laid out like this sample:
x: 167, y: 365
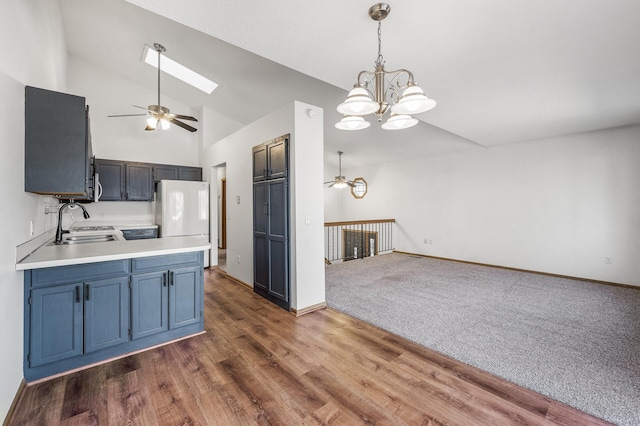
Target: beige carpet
x: 575, y: 341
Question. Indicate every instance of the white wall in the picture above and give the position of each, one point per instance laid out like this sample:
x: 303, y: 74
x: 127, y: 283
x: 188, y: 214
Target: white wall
x: 32, y: 52
x: 307, y: 271
x: 559, y: 205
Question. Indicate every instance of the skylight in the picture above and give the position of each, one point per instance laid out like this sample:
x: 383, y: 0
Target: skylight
x: 178, y: 70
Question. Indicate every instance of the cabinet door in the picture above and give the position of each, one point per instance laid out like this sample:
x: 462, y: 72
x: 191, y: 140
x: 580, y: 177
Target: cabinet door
x: 139, y: 182
x: 149, y: 304
x: 260, y: 244
x: 190, y: 173
x: 56, y: 323
x: 106, y: 313
x: 260, y: 163
x: 111, y: 178
x: 277, y: 157
x: 278, y: 240
x: 57, y: 147
x: 164, y: 171
x: 184, y: 296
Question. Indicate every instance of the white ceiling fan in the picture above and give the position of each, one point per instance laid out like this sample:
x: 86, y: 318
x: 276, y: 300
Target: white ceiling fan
x: 158, y: 115
x: 339, y: 181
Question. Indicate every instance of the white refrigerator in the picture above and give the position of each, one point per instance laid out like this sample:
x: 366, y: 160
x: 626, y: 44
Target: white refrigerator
x: 182, y: 209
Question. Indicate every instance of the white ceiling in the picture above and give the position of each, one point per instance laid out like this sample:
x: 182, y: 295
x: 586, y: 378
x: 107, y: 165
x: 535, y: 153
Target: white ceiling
x: 502, y: 71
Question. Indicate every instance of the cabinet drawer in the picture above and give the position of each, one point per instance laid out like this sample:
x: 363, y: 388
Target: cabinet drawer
x: 162, y: 263
x: 79, y: 273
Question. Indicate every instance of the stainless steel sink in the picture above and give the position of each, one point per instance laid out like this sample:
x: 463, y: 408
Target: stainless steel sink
x: 84, y: 239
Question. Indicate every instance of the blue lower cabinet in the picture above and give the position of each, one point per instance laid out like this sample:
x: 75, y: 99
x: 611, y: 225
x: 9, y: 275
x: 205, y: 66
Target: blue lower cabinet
x: 56, y: 323
x: 106, y: 313
x: 78, y: 315
x: 149, y: 304
x: 185, y: 297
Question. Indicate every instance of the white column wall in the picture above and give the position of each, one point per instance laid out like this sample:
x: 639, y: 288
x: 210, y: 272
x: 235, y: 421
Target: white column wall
x: 306, y: 197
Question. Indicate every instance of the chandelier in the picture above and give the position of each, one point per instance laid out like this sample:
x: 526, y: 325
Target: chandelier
x: 370, y: 94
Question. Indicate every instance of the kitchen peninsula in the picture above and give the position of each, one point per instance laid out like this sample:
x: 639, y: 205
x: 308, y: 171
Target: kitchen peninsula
x: 88, y: 303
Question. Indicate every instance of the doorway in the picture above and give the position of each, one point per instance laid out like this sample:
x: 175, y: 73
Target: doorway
x: 219, y: 176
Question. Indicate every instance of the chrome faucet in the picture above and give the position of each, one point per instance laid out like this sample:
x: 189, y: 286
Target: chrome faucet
x: 59, y: 231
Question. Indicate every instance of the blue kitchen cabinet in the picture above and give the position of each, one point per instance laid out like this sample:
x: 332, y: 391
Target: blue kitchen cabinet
x: 139, y: 182
x: 149, y: 304
x: 164, y: 172
x: 111, y: 174
x: 57, y: 154
x: 271, y: 221
x: 185, y: 297
x: 190, y: 173
x: 71, y: 319
x: 81, y: 314
x: 167, y: 294
x: 56, y: 323
x: 106, y: 313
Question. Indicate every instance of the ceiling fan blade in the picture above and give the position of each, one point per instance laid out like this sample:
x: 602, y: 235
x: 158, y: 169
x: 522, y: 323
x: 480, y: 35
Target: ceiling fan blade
x: 333, y: 183
x: 144, y: 108
x: 181, y: 124
x: 127, y: 115
x: 330, y: 181
x: 184, y: 117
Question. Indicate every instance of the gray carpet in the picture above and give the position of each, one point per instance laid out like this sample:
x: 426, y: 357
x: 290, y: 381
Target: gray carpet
x: 574, y: 341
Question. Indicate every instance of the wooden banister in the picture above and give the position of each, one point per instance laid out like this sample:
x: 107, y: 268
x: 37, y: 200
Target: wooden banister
x: 359, y: 222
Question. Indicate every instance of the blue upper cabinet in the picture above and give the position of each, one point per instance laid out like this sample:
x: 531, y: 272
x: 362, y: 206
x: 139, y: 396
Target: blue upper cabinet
x: 190, y: 173
x: 111, y: 174
x: 57, y: 144
x: 270, y: 159
x: 139, y: 182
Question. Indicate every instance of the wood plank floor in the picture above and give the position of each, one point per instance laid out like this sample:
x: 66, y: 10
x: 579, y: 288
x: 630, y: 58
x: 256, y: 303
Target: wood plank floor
x: 258, y: 364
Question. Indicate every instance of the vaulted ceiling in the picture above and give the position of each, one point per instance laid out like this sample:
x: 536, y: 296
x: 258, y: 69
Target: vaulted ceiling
x: 502, y: 71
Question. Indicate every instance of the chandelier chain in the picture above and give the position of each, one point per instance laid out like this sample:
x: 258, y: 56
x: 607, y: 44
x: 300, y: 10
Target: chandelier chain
x: 380, y: 59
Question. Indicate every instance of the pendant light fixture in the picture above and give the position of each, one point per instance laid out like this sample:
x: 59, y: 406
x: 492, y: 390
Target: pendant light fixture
x: 379, y: 92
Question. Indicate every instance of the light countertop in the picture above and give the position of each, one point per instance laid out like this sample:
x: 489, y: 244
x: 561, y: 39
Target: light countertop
x: 61, y: 255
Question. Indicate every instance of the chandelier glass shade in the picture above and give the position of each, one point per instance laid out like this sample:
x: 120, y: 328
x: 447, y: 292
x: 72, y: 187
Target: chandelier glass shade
x: 401, y: 95
x: 352, y: 122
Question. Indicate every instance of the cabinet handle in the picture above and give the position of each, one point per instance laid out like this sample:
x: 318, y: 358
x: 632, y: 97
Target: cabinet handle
x: 164, y: 279
x: 264, y: 209
x: 77, y: 294
x: 171, y: 278
x: 86, y: 291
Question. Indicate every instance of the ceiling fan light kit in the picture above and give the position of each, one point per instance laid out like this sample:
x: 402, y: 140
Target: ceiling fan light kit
x: 339, y: 181
x: 158, y: 116
x: 402, y: 96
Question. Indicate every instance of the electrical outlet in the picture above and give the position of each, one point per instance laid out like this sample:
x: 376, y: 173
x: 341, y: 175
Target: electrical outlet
x: 426, y: 241
x: 31, y: 228
x: 238, y: 258
x: 608, y: 260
